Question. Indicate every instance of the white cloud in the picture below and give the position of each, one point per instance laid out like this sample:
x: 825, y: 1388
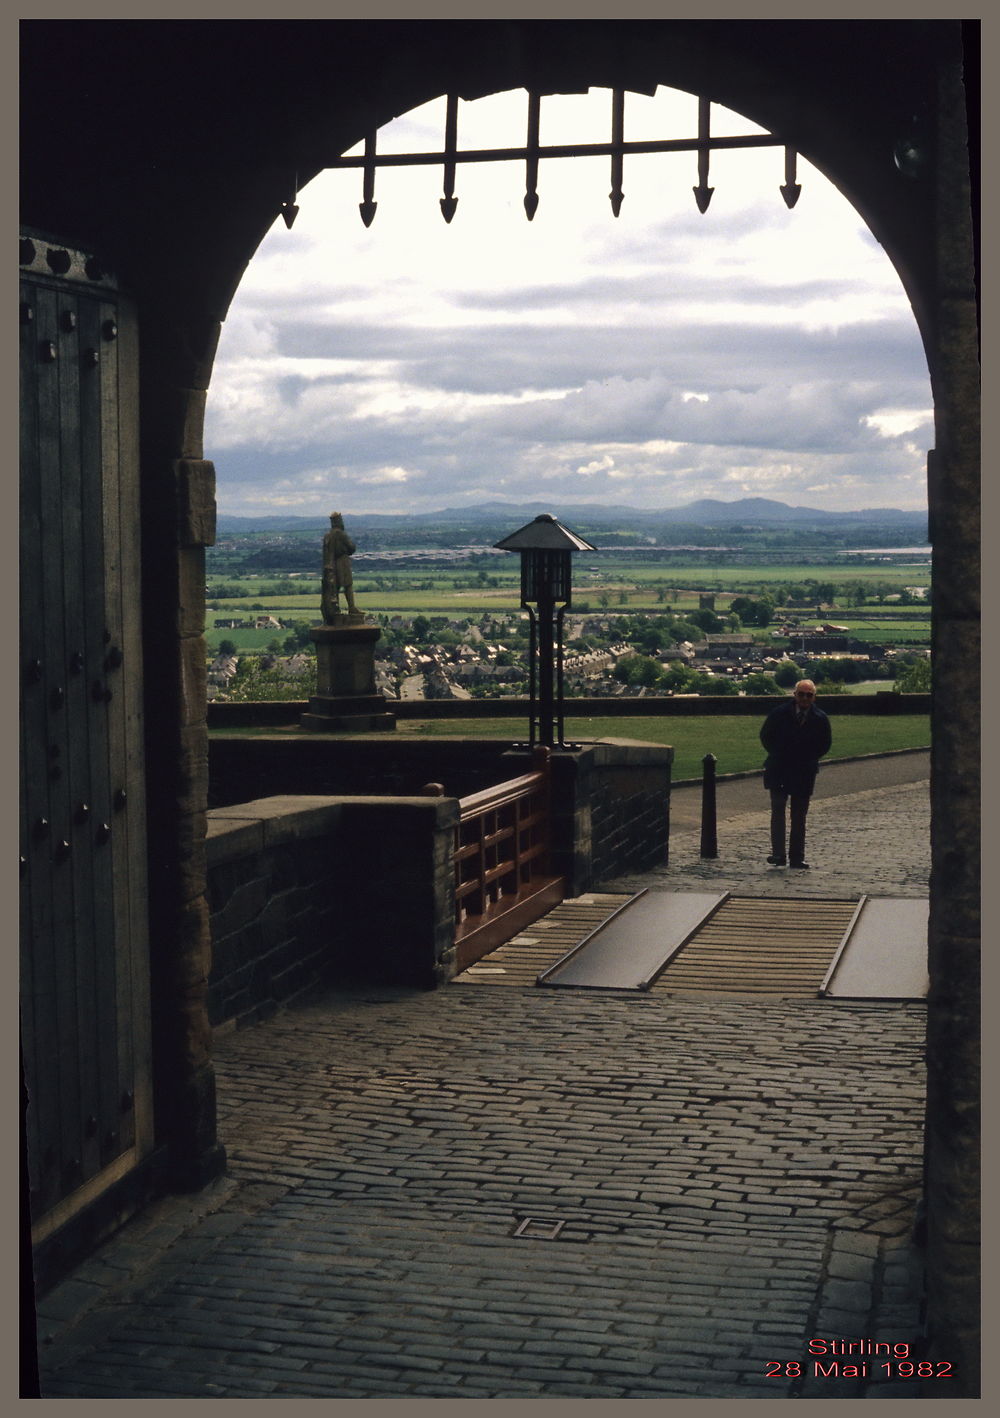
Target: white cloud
x: 381, y: 476
x: 657, y: 358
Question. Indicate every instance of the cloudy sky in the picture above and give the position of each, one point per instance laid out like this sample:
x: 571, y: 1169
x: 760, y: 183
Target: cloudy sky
x: 647, y: 360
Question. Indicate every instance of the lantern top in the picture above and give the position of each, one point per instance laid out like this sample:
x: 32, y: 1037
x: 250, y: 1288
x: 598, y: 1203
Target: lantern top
x: 545, y: 533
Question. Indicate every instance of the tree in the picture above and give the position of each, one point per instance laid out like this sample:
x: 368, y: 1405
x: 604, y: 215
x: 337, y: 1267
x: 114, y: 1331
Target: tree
x: 257, y: 678
x: 788, y: 673
x: 759, y: 683
x: 638, y: 670
x: 677, y: 678
x: 915, y: 679
x: 227, y: 647
x: 712, y: 684
x: 753, y: 612
x: 650, y: 639
x: 682, y: 630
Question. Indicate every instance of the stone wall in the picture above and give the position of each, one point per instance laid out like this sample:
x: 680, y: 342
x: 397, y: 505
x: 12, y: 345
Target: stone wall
x: 305, y: 890
x: 273, y: 915
x: 630, y: 811
x: 610, y: 811
x: 308, y: 889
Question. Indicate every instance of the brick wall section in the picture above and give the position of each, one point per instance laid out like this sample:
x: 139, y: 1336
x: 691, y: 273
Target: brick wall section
x: 610, y: 806
x: 303, y: 890
x: 630, y: 814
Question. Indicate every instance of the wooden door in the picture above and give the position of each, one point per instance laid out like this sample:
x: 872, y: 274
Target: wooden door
x: 84, y: 931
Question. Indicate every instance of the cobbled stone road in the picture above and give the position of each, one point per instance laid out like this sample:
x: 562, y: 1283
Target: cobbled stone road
x: 702, y: 1188
x: 875, y: 841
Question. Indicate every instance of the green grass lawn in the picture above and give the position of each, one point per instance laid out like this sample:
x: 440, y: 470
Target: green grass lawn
x: 733, y: 739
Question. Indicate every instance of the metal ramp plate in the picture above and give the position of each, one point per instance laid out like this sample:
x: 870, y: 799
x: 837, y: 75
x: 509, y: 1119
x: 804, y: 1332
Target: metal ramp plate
x: 884, y: 955
x: 630, y: 949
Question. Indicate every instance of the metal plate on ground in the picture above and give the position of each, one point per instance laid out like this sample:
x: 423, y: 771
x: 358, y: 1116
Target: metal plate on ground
x: 885, y: 954
x: 543, y: 942
x: 629, y: 950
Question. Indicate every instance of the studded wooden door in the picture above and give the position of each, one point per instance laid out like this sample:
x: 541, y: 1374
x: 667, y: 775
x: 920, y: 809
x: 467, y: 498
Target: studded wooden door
x: 84, y: 934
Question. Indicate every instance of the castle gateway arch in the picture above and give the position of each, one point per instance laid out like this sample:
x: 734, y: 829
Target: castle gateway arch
x: 156, y: 155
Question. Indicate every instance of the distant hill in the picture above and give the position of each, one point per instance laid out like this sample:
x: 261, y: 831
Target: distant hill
x: 743, y: 514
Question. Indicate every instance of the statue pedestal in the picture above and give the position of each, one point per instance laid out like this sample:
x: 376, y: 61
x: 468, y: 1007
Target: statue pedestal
x: 346, y: 699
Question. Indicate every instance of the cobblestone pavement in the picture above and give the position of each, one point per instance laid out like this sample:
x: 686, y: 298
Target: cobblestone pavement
x: 711, y: 1185
x: 875, y: 841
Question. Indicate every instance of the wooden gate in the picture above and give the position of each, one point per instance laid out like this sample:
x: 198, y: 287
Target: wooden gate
x: 503, y: 873
x: 84, y: 933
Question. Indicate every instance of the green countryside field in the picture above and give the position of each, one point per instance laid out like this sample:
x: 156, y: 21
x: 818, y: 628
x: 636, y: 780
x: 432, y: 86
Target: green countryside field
x: 623, y: 585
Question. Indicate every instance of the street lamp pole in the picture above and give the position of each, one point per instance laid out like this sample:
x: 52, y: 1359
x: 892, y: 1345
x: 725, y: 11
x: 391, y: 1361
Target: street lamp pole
x: 545, y: 547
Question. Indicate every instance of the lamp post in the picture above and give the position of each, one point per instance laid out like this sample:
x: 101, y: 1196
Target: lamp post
x: 545, y: 547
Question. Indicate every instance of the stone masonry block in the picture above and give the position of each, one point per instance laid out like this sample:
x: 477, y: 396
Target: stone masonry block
x: 246, y: 904
x: 192, y: 681
x: 193, y: 958
x: 189, y: 417
x: 192, y: 870
x: 190, y: 612
x: 192, y: 766
x: 195, y: 483
x: 231, y: 843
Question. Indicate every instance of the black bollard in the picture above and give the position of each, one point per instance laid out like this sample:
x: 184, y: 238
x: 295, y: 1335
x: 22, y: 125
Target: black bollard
x: 709, y: 837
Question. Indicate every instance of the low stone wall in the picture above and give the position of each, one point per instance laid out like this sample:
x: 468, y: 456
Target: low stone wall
x: 630, y: 810
x: 304, y: 890
x: 610, y: 811
x: 274, y: 713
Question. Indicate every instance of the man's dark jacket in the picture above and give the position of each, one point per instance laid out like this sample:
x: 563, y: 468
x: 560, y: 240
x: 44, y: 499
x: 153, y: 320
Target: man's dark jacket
x: 793, y: 749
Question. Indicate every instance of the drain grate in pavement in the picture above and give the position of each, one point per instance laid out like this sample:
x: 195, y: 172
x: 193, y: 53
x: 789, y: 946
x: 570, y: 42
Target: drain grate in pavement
x: 538, y: 1228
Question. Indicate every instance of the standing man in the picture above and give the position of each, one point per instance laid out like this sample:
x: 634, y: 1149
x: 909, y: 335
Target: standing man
x: 796, y: 735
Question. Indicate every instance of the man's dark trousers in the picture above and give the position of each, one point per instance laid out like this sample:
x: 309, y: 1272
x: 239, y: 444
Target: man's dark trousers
x: 796, y: 827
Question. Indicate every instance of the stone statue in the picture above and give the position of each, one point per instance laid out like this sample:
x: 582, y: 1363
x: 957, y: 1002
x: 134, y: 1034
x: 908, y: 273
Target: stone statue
x: 337, y: 552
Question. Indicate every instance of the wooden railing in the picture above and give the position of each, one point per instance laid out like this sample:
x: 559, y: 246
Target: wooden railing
x: 503, y: 875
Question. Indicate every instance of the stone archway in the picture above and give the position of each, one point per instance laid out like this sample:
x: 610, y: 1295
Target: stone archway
x: 180, y: 169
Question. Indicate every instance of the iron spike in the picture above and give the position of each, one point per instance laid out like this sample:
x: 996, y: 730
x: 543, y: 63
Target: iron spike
x: 289, y: 211
x: 368, y: 205
x: 791, y: 189
x: 617, y: 156
x: 531, y: 166
x: 703, y: 193
x: 449, y: 201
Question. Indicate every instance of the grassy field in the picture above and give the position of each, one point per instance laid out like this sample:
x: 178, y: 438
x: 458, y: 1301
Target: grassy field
x: 627, y: 585
x: 732, y: 739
